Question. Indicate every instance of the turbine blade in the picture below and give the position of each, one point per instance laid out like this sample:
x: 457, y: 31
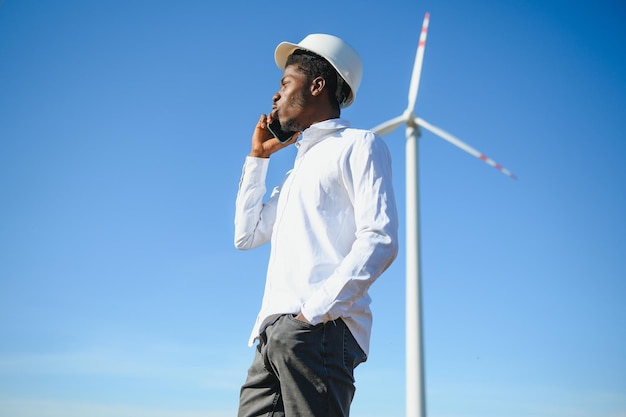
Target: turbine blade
x: 455, y: 141
x: 417, y: 66
x: 390, y: 125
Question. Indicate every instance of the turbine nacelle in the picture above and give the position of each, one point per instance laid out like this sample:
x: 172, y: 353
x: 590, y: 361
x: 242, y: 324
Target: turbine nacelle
x: 411, y: 119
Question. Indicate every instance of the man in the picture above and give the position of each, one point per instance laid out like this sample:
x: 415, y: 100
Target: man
x: 332, y: 225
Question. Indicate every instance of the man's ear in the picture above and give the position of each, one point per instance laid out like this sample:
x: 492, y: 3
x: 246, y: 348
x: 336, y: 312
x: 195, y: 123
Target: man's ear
x: 317, y: 86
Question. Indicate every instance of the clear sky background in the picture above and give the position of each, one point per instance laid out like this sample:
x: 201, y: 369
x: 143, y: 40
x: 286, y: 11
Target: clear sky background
x: 123, y: 129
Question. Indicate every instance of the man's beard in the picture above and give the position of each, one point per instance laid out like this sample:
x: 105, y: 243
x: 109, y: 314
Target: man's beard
x: 297, y: 102
x: 291, y: 126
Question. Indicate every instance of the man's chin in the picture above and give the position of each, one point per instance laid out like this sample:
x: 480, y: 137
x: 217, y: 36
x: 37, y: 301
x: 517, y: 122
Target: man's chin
x: 288, y: 125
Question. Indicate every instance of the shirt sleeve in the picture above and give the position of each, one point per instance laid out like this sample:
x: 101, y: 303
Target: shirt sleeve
x: 368, y: 181
x: 254, y: 219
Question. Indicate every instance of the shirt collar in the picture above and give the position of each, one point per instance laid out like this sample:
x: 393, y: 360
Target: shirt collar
x: 321, y: 130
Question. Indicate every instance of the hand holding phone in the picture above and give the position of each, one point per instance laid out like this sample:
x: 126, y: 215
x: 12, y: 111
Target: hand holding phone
x: 278, y: 132
x: 263, y: 143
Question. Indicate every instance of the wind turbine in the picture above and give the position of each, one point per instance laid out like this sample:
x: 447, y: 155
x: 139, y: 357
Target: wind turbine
x: 415, y: 381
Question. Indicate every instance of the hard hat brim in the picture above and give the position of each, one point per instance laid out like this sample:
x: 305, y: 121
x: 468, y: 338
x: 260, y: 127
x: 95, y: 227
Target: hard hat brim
x: 283, y: 50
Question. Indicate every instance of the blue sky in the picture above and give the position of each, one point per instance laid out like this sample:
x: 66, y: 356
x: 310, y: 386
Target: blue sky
x: 123, y: 129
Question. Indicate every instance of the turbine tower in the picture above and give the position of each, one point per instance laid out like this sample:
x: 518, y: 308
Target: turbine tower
x: 415, y: 381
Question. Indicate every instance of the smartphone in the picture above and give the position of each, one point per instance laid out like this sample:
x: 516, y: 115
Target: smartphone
x: 276, y: 130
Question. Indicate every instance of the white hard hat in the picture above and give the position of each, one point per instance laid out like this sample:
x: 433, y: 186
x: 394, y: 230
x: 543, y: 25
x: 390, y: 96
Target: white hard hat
x: 341, y: 56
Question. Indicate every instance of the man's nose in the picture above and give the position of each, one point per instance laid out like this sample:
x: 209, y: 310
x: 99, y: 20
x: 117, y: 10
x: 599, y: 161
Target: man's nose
x: 276, y: 97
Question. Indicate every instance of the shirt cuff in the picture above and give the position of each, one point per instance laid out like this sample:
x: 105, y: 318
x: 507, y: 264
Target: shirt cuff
x: 254, y: 170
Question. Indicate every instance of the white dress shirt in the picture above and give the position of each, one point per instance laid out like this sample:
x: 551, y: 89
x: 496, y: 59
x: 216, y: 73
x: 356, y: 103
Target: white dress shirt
x: 332, y: 226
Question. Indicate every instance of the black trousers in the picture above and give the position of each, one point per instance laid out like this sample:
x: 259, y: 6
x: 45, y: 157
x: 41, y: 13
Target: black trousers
x: 302, y: 370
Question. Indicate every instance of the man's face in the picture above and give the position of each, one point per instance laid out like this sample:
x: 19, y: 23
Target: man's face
x: 290, y: 101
